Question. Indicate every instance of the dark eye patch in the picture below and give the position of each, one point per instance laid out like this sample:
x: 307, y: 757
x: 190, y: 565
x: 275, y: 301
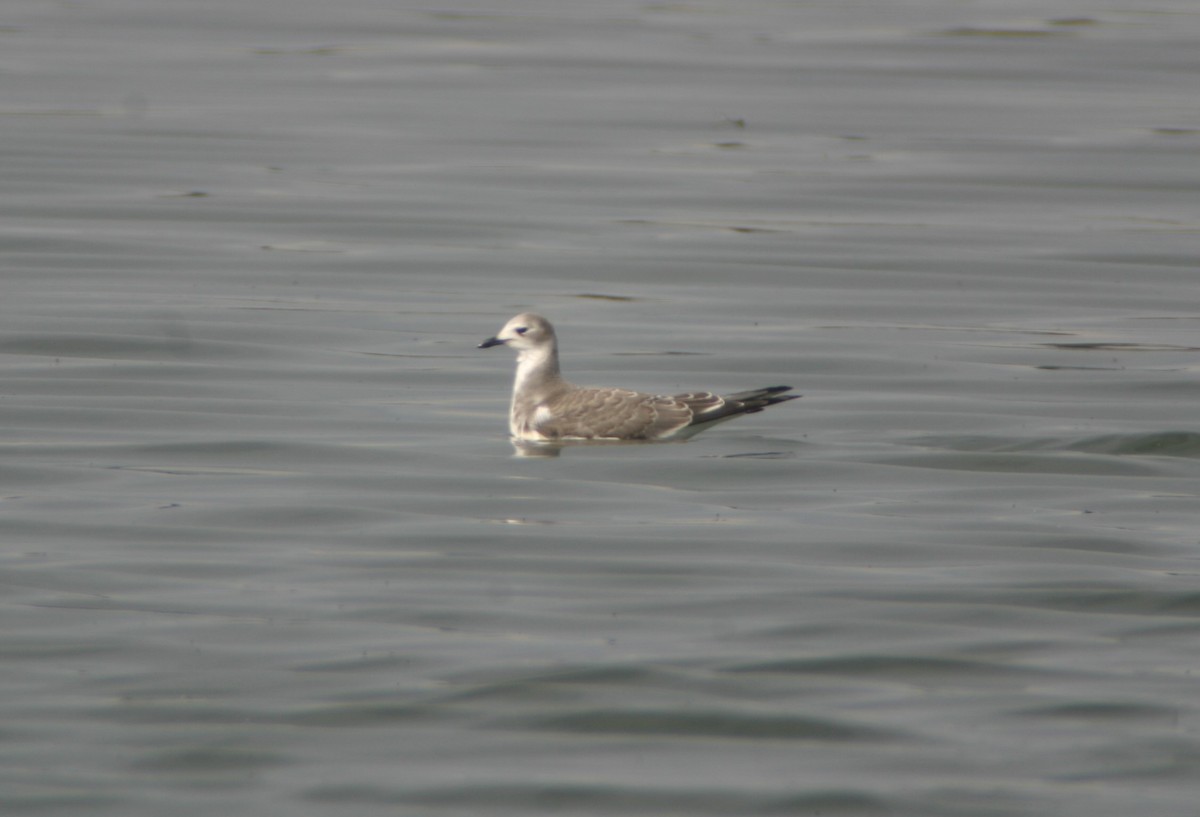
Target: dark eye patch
x: 521, y: 330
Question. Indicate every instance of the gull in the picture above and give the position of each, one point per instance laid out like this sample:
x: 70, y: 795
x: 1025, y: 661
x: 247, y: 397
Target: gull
x: 546, y: 408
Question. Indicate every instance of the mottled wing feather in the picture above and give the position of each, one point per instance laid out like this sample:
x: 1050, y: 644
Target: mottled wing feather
x: 712, y: 408
x: 621, y: 414
x: 701, y: 402
x: 614, y: 414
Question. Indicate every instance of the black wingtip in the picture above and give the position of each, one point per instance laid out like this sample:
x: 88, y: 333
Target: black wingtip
x: 768, y: 396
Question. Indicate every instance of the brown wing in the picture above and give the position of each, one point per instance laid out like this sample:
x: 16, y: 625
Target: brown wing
x: 708, y: 406
x: 615, y: 414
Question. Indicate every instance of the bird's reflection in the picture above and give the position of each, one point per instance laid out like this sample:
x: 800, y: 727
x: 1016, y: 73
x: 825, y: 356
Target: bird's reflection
x: 522, y: 448
x: 553, y: 448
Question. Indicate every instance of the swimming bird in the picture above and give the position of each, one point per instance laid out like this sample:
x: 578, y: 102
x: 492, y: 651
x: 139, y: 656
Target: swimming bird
x: 547, y: 408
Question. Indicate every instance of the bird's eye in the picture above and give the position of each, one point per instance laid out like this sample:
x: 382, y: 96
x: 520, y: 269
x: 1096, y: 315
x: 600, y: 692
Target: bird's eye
x: 521, y: 330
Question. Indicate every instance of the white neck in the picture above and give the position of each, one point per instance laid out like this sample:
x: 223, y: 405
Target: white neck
x: 537, y: 369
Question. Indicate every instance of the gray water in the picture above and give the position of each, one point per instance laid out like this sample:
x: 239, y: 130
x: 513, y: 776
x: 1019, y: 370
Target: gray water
x: 268, y: 551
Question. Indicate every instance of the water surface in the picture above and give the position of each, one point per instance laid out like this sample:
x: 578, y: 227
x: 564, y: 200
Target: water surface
x: 267, y: 549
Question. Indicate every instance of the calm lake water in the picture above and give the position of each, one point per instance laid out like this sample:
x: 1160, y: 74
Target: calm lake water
x: 266, y: 548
